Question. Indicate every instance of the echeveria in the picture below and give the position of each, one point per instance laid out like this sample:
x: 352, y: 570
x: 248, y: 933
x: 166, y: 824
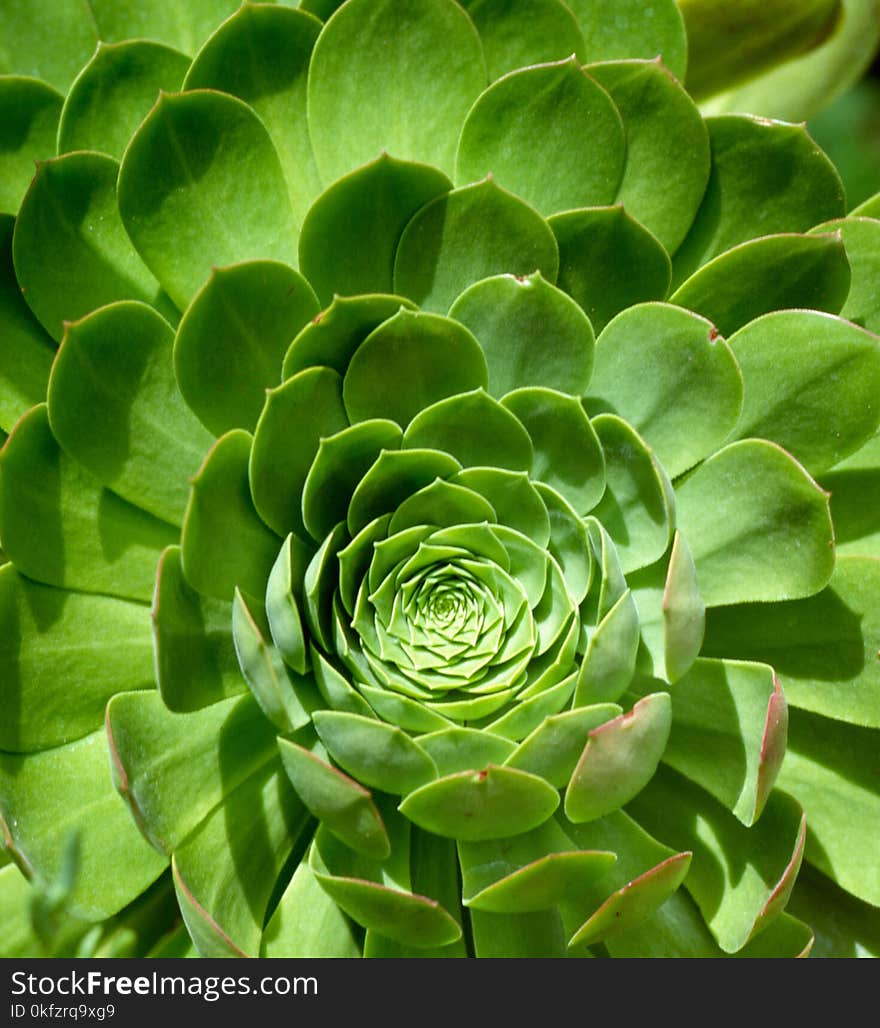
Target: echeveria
x: 495, y: 439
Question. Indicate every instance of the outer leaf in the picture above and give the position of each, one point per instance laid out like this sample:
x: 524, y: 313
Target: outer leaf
x: 223, y: 900
x: 819, y: 366
x: 375, y: 57
x: 69, y: 212
x: 29, y: 112
x: 467, y: 235
x: 261, y: 55
x: 823, y: 648
x: 233, y: 336
x: 580, y: 160
x: 740, y: 877
x: 660, y: 189
x: 830, y: 768
x: 57, y: 59
x: 224, y: 543
x: 117, y: 411
x: 767, y: 178
x: 28, y: 352
x: 114, y: 93
x: 861, y: 238
x: 685, y: 407
x: 608, y: 261
x: 50, y: 639
x: 753, y: 37
x: 742, y: 710
x: 769, y: 274
x: 179, y: 191
x: 633, y: 30
x: 186, y: 28
x: 757, y: 525
x: 855, y: 493
x: 69, y: 786
x: 89, y: 538
x: 195, y: 662
x: 174, y: 769
x: 350, y: 235
x: 514, y: 37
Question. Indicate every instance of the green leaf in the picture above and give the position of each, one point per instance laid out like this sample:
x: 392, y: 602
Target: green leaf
x: 379, y: 56
x: 89, y: 539
x: 633, y: 902
x: 768, y: 274
x: 29, y: 112
x: 467, y: 235
x: 114, y: 93
x: 195, y: 656
x: 767, y: 178
x: 379, y: 755
x: 823, y: 648
x: 800, y: 371
x: 223, y: 540
x: 636, y: 508
x: 729, y: 726
x: 854, y: 485
x: 615, y: 29
x: 342, y: 805
x: 517, y: 936
x: 735, y: 45
x: 405, y: 917
x: 580, y: 160
x: 51, y: 640
x: 117, y: 410
x: 284, y: 598
x: 286, y: 702
x: 181, y: 197
x: 619, y: 759
x: 532, y: 334
x: 341, y: 462
x: 47, y: 796
x: 296, y: 416
x: 608, y: 261
x: 435, y: 356
x: 444, y: 504
x: 661, y: 123
x: 55, y: 56
x: 861, y: 239
x: 473, y: 428
x: 463, y: 749
x: 332, y: 336
x: 829, y: 767
x: 740, y: 877
x: 757, y: 525
x: 334, y: 687
x: 514, y: 36
x: 27, y: 354
x: 224, y: 880
x: 350, y: 235
x: 514, y: 499
x: 687, y: 403
x: 174, y: 769
x: 233, y: 336
x: 568, y: 455
x: 553, y: 749
x: 844, y: 926
x: 610, y: 659
x: 475, y: 805
x: 307, y: 923
x: 69, y: 213
x: 186, y: 28
x: 261, y: 55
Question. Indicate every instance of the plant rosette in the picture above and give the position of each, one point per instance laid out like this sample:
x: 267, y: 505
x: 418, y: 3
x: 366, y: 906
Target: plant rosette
x: 440, y: 499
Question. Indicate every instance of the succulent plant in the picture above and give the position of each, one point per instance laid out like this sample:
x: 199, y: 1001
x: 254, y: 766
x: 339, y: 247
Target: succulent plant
x: 440, y: 497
